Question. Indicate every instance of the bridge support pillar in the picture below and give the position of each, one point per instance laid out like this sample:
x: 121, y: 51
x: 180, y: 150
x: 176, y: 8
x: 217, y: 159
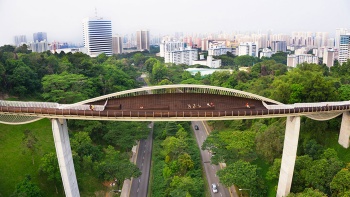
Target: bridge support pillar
x: 344, y: 135
x: 289, y: 154
x: 64, y: 155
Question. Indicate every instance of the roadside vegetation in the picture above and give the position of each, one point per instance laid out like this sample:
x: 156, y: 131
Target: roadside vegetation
x: 177, y: 169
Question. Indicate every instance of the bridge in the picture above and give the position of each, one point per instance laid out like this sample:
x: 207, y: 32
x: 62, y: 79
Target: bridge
x: 175, y: 103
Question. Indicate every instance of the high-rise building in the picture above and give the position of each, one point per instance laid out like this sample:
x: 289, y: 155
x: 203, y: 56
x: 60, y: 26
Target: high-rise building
x: 39, y: 47
x: 39, y: 36
x: 169, y: 46
x: 328, y: 57
x: 344, y: 48
x: 20, y: 39
x: 338, y: 32
x: 142, y: 39
x: 279, y: 46
x: 97, y: 36
x: 117, y: 44
x: 248, y: 48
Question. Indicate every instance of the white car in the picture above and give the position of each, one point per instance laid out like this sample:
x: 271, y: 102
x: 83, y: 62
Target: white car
x: 214, y: 187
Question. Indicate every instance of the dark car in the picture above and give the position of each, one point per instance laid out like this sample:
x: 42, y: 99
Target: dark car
x: 196, y: 127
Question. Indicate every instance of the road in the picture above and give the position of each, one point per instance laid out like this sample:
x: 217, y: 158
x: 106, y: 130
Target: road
x: 210, y: 170
x: 139, y: 185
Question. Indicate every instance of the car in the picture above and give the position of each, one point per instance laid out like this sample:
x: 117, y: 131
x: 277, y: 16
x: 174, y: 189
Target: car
x: 196, y: 127
x: 214, y: 187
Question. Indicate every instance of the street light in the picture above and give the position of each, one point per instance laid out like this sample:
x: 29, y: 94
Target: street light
x: 250, y: 194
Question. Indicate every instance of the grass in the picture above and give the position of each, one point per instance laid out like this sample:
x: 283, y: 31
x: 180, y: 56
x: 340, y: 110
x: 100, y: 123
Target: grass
x: 14, y: 165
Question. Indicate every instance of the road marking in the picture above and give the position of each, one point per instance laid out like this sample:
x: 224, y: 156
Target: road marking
x: 220, y: 194
x: 142, y: 164
x: 139, y: 180
x: 212, y: 167
x: 137, y: 190
x: 143, y: 157
x: 205, y: 127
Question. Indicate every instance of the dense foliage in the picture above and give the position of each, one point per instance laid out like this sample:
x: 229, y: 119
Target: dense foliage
x: 176, y: 161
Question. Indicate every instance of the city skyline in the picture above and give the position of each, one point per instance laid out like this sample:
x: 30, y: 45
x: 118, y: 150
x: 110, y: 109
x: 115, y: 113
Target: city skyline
x: 62, y: 21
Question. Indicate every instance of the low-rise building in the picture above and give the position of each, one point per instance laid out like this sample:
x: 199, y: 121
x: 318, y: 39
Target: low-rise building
x: 294, y: 60
x: 210, y: 62
x: 182, y: 56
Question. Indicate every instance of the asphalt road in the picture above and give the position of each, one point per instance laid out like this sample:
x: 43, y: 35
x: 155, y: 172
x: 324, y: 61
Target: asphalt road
x: 139, y: 185
x: 210, y: 170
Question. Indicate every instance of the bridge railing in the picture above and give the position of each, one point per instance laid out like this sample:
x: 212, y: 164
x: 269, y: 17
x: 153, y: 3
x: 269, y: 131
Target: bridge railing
x: 83, y: 107
x: 277, y: 106
x: 321, y: 104
x: 28, y: 104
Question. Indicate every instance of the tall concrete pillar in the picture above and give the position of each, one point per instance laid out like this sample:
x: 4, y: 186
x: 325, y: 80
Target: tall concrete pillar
x: 289, y: 154
x: 344, y: 134
x: 64, y: 155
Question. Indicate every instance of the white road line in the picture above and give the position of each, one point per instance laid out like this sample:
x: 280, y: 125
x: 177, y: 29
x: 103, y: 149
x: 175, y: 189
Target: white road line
x: 137, y: 190
x: 220, y: 194
x: 143, y: 157
x: 212, y: 167
x: 142, y: 164
x: 139, y: 180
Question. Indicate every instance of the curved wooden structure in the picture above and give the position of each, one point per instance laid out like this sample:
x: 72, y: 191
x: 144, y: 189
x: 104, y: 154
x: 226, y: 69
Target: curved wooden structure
x: 171, y: 102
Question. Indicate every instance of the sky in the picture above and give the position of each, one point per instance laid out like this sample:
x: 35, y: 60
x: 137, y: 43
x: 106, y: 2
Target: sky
x: 62, y: 20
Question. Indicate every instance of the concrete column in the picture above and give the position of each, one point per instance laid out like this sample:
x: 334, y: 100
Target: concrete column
x: 344, y: 134
x: 288, y: 157
x: 64, y: 155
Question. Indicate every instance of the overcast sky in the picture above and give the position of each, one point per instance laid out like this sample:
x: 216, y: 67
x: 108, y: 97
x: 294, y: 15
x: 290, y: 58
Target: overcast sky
x: 62, y: 20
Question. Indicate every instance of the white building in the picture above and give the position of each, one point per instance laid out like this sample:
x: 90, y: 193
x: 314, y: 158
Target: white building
x: 328, y: 57
x: 219, y: 51
x: 210, y: 62
x: 97, y: 36
x: 169, y: 46
x: 344, y: 49
x: 182, y: 56
x: 20, y: 40
x: 248, y: 48
x: 39, y: 46
x: 266, y: 52
x: 294, y: 60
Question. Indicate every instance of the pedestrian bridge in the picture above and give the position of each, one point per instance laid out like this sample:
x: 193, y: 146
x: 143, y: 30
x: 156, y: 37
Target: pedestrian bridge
x: 175, y: 103
x: 169, y: 103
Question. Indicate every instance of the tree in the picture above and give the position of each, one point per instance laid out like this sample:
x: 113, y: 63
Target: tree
x: 340, y: 183
x: 309, y: 192
x: 243, y: 175
x: 159, y: 72
x: 81, y: 143
x: 173, y: 147
x: 185, y: 162
x: 27, y: 189
x: 269, y: 144
x: 124, y: 135
x: 115, y: 167
x: 49, y: 167
x: 30, y: 143
x: 67, y: 88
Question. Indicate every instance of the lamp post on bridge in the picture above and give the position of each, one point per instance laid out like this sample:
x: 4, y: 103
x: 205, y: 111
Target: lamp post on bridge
x: 250, y: 194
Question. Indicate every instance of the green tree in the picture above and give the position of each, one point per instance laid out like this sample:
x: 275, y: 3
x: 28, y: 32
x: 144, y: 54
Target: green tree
x: 115, y: 167
x: 27, y: 189
x: 243, y: 175
x: 309, y: 192
x: 159, y: 72
x: 49, y: 167
x: 30, y: 143
x: 340, y: 183
x: 67, y: 88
